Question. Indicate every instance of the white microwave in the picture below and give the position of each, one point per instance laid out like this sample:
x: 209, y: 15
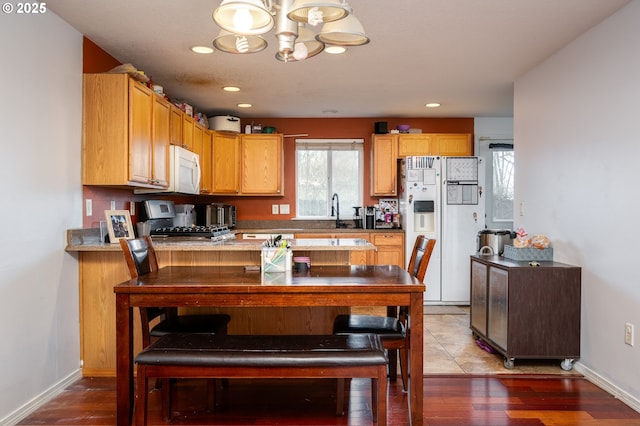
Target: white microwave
x: 184, y: 173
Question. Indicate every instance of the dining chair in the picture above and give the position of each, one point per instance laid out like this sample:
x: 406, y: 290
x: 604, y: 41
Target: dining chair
x: 393, y: 331
x: 141, y: 259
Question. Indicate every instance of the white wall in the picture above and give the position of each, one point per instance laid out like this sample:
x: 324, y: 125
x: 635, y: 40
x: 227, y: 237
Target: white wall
x: 577, y: 127
x: 40, y: 118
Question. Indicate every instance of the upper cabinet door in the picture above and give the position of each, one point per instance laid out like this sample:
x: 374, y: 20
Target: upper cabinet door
x: 415, y: 144
x: 187, y: 132
x: 140, y: 106
x: 261, y: 164
x: 384, y: 155
x: 176, y: 125
x: 206, y: 158
x: 226, y: 163
x: 454, y: 144
x: 160, y: 141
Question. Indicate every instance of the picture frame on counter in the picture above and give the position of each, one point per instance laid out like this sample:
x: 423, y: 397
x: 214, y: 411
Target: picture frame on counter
x: 119, y: 225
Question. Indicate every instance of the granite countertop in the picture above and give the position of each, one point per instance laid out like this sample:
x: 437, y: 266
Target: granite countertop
x: 89, y: 240
x: 277, y: 231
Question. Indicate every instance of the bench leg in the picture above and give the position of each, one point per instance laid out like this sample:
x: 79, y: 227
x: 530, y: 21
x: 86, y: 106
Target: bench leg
x: 340, y: 397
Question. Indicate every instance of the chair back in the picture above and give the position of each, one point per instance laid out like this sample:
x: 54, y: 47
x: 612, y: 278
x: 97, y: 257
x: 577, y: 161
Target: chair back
x: 420, y: 256
x: 140, y: 255
x: 141, y: 259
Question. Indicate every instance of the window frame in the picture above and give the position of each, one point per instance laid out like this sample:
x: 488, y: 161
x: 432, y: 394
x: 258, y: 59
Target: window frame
x: 348, y: 144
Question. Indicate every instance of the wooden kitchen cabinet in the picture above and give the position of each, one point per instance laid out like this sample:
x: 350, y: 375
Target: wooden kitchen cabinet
x: 384, y: 166
x: 261, y: 164
x: 415, y: 144
x: 118, y: 128
x: 175, y: 124
x: 454, y: 144
x: 161, y: 139
x: 226, y: 161
x: 524, y: 311
x: 187, y: 132
x: 206, y: 162
x: 390, y: 248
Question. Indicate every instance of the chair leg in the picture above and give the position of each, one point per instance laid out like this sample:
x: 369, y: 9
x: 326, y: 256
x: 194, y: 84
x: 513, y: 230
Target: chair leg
x: 393, y: 363
x: 374, y: 398
x: 140, y: 408
x: 166, y: 399
x: 381, y: 402
x: 212, y: 388
x: 404, y: 367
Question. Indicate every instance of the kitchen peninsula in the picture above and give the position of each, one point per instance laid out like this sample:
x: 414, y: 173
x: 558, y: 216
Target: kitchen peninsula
x: 102, y: 266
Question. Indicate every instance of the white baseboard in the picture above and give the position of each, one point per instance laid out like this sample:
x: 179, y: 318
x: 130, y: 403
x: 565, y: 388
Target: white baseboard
x: 603, y: 383
x: 41, y: 399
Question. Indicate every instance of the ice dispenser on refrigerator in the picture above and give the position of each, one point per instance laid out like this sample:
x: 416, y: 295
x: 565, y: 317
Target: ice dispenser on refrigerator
x: 424, y: 216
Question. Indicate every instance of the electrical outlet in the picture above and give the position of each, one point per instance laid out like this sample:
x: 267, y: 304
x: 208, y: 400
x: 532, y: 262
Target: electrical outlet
x: 88, y: 207
x: 628, y: 334
x: 522, y: 208
x: 274, y: 209
x: 132, y: 208
x: 284, y: 209
x: 113, y: 204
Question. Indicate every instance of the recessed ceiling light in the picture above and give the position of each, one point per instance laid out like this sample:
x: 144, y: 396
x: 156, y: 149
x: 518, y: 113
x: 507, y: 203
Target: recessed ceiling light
x: 244, y: 105
x: 432, y: 105
x: 335, y: 50
x: 231, y: 89
x: 202, y: 49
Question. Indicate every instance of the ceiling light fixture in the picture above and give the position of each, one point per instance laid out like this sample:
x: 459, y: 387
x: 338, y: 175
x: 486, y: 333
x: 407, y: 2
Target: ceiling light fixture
x: 243, y: 21
x: 205, y: 50
x: 335, y: 50
x: 244, y: 105
x: 231, y: 89
x: 432, y: 105
x: 235, y: 43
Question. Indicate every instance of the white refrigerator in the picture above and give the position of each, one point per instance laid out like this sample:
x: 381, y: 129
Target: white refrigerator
x: 441, y: 198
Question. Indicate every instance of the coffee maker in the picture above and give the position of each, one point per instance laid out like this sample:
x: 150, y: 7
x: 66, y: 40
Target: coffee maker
x: 369, y: 219
x: 357, y: 217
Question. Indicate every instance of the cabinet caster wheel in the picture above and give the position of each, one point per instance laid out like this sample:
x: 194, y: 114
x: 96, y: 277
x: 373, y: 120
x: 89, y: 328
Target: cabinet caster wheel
x: 509, y: 363
x: 567, y: 364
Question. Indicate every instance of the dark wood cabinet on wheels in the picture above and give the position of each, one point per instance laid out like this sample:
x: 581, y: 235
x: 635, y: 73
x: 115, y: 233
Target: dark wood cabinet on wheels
x: 525, y: 311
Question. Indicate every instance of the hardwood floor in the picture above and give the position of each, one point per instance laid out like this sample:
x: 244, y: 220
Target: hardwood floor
x: 464, y: 385
x: 449, y: 400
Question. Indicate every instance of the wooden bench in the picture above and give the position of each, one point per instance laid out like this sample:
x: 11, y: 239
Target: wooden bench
x: 190, y: 355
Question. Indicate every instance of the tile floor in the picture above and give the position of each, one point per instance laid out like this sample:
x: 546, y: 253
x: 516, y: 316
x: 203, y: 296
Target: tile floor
x: 449, y: 347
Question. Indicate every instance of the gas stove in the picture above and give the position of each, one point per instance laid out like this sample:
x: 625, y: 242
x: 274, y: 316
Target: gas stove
x: 216, y: 233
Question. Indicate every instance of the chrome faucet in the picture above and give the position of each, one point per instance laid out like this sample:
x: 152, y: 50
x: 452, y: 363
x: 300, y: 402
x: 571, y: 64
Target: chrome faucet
x: 336, y: 210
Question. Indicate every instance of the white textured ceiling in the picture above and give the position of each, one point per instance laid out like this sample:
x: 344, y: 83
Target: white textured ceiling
x: 465, y: 54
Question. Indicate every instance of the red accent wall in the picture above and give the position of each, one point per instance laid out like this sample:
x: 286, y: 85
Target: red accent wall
x: 96, y: 59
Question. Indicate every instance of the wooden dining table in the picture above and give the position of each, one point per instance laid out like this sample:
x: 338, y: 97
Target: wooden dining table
x: 222, y: 286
